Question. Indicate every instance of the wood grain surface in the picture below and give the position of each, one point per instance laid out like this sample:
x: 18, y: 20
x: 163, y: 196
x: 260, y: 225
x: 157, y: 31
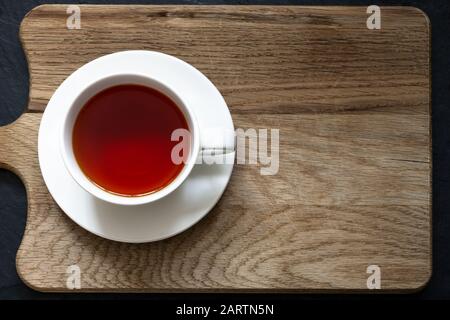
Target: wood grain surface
x: 353, y: 187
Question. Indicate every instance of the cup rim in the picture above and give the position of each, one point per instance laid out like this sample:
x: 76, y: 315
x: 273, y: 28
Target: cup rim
x: 87, y: 184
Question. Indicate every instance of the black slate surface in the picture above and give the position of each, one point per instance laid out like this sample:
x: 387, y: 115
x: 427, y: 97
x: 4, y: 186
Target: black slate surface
x: 14, y: 87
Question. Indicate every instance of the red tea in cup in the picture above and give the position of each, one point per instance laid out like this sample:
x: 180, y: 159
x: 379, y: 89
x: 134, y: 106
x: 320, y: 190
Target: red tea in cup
x: 121, y: 139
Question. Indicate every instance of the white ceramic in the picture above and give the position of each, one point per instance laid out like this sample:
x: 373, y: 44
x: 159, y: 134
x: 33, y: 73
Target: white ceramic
x: 70, y: 114
x: 171, y: 212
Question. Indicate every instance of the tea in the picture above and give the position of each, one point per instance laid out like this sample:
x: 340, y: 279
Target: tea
x: 122, y: 139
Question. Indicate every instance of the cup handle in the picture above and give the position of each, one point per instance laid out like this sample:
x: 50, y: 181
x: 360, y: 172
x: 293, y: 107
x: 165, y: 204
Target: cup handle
x: 215, y: 141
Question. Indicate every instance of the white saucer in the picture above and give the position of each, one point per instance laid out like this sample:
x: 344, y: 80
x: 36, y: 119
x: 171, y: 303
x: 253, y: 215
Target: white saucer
x: 158, y: 220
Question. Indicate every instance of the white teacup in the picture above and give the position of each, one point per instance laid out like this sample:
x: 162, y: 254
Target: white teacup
x: 198, y: 143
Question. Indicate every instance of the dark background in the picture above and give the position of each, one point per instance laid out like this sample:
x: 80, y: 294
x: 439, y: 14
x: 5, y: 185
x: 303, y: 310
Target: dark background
x: 14, y: 79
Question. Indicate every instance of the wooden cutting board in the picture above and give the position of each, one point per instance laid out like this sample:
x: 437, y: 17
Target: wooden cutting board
x: 354, y: 182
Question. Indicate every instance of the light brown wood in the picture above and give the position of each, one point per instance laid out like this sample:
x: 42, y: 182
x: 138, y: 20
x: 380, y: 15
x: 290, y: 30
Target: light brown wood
x: 354, y: 184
